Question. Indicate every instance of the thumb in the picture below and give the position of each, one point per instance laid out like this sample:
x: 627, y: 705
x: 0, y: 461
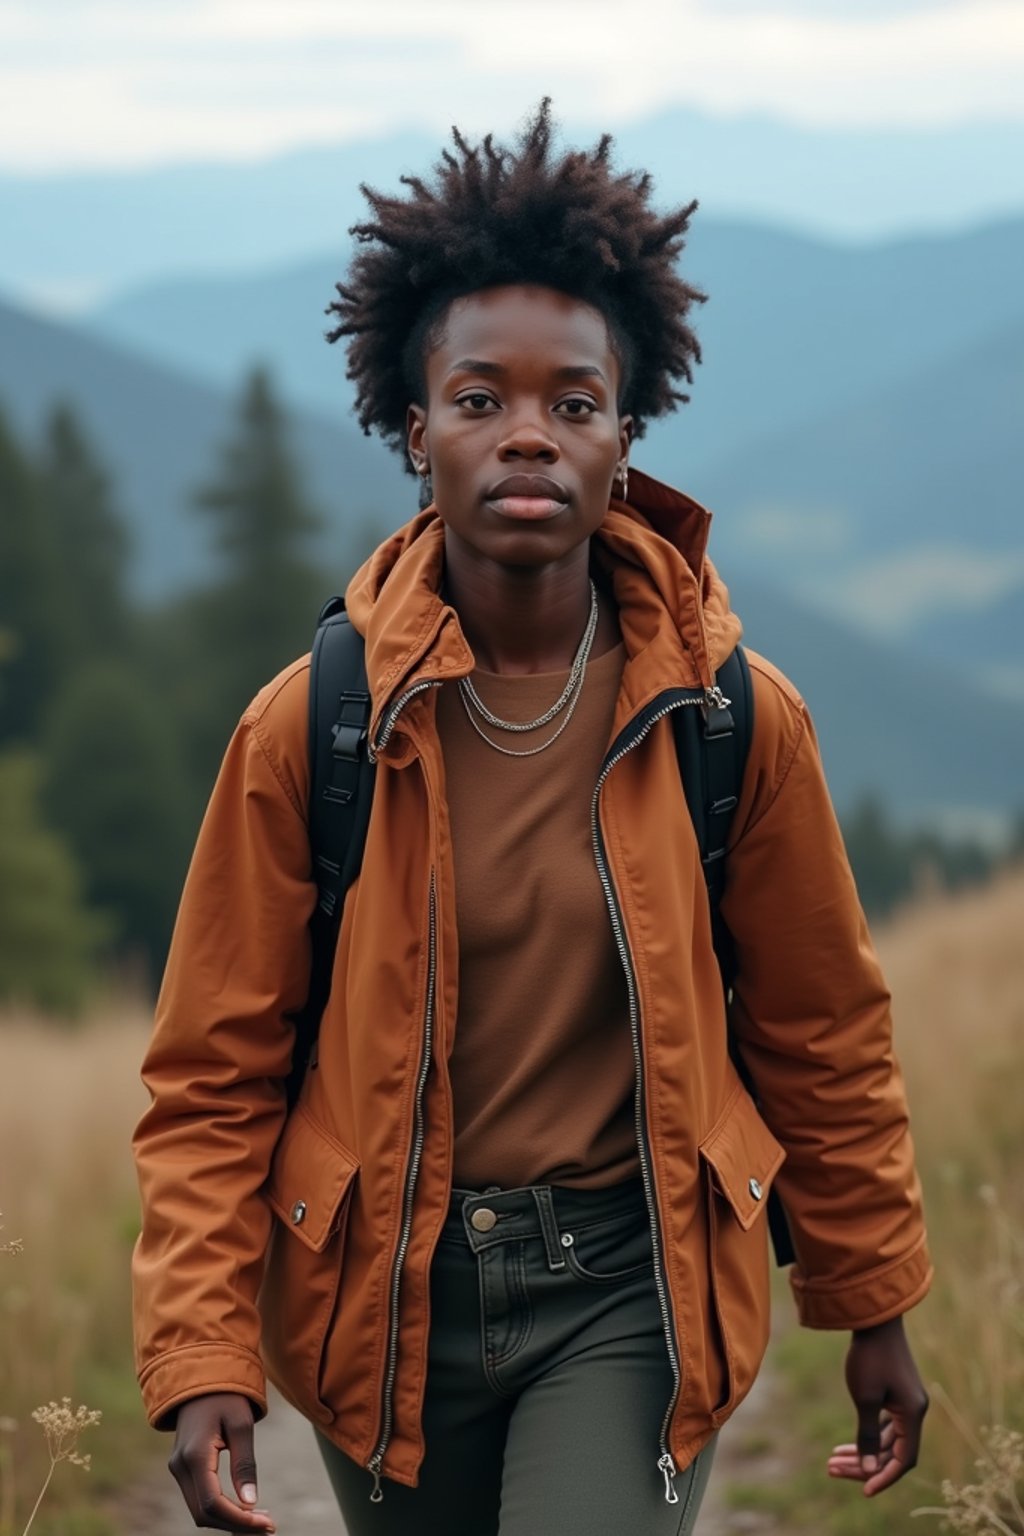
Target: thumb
x: 239, y: 1434
x: 868, y: 1433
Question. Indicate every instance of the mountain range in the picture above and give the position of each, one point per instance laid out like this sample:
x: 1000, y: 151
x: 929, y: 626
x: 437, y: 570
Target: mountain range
x: 857, y: 418
x: 73, y: 237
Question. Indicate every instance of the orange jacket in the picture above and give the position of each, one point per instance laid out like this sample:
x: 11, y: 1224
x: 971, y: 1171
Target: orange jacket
x: 351, y: 1191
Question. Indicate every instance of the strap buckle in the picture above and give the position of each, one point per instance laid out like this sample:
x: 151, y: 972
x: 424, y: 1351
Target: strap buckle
x: 350, y: 729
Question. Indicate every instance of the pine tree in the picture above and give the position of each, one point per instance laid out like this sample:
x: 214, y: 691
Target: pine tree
x: 116, y: 792
x: 48, y: 939
x: 30, y: 611
x: 91, y: 538
x: 259, y: 615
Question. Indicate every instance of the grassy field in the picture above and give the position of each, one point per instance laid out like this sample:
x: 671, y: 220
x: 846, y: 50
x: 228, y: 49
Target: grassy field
x: 69, y: 1097
x: 956, y: 967
x: 68, y: 1100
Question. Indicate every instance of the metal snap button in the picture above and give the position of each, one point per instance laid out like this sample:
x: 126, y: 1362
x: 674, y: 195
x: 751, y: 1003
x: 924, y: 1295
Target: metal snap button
x: 298, y: 1212
x: 567, y: 1239
x: 755, y: 1189
x: 483, y: 1219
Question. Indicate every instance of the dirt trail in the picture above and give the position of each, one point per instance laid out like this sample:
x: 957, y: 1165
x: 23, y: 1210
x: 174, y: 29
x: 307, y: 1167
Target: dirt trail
x: 294, y: 1485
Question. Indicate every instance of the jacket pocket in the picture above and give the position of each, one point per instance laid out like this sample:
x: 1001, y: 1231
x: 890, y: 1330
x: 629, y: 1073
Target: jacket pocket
x: 611, y: 1252
x: 310, y: 1191
x: 740, y: 1158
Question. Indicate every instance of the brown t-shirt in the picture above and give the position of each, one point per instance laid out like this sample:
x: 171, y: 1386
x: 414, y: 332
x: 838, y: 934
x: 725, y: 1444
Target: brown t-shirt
x: 542, y: 1064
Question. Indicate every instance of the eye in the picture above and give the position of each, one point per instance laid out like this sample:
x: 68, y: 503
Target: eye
x: 577, y: 407
x: 477, y: 402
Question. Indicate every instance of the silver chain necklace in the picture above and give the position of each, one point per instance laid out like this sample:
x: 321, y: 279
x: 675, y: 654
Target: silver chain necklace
x: 567, y: 700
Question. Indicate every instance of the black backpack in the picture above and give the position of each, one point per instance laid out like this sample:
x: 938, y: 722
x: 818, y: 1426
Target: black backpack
x: 711, y: 744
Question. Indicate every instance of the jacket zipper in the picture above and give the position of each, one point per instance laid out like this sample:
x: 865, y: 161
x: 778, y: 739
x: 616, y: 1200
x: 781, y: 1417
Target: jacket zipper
x: 376, y: 1461
x: 666, y: 1465
x: 706, y: 697
x: 374, y: 748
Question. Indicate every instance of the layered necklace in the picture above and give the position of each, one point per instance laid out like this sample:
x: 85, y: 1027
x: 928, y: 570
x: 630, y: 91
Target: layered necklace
x: 564, y: 705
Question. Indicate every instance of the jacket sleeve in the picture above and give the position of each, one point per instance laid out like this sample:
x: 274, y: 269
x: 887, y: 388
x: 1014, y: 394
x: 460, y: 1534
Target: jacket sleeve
x: 812, y: 1019
x: 215, y: 1068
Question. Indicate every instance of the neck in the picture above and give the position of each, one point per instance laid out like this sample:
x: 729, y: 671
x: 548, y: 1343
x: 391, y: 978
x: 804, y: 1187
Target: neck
x: 523, y: 619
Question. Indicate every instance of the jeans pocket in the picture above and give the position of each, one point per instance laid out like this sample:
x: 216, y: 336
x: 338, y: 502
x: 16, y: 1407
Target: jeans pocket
x: 610, y: 1252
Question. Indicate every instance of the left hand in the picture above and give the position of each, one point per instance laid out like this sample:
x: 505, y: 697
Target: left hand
x: 891, y: 1404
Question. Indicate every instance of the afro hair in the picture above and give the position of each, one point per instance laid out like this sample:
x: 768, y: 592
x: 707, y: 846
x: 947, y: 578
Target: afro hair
x: 493, y: 216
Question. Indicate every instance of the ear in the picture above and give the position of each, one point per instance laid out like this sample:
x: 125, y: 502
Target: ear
x: 625, y: 436
x: 416, y: 437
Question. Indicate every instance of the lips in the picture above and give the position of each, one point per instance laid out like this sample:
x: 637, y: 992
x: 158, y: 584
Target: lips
x: 530, y: 498
x: 528, y: 485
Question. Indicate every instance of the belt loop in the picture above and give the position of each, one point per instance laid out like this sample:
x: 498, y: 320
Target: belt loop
x: 549, y: 1227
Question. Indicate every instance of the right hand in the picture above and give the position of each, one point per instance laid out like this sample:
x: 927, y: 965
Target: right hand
x: 219, y: 1421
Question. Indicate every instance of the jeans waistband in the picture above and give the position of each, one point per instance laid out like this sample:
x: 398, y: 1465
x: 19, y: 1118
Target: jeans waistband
x: 487, y: 1217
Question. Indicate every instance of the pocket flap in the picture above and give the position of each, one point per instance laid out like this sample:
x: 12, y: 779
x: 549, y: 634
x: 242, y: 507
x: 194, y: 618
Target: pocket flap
x: 745, y: 1158
x: 309, y: 1178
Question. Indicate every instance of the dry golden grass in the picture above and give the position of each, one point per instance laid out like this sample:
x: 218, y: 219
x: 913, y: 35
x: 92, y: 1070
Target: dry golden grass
x: 69, y: 1098
x: 956, y: 966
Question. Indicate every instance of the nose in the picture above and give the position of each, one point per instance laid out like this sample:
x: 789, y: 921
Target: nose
x: 527, y: 436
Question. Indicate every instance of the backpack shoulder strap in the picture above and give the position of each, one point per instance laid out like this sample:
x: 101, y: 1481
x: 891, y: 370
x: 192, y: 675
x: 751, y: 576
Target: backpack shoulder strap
x: 340, y: 795
x: 712, y: 746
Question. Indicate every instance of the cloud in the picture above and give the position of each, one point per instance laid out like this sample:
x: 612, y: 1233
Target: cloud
x: 777, y: 527
x: 106, y: 82
x: 894, y: 595
x: 851, y: 9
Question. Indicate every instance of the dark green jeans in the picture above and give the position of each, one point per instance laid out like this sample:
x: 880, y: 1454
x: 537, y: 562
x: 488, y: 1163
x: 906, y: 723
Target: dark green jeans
x: 547, y: 1383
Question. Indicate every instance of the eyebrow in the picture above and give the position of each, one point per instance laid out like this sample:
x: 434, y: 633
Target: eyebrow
x: 570, y: 371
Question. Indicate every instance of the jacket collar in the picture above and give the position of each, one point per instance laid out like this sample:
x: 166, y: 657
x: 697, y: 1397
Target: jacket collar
x: 674, y: 610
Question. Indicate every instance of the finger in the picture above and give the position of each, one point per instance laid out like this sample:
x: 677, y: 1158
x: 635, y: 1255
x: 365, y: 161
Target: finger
x: 869, y: 1433
x: 242, y: 1457
x: 845, y: 1460
x: 885, y: 1440
x: 183, y: 1477
x: 904, y: 1457
x: 891, y: 1473
x: 210, y: 1506
x: 219, y: 1513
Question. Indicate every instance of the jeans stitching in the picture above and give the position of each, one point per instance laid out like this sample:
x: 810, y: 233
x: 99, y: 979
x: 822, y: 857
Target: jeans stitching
x: 517, y: 1272
x: 614, y: 1277
x: 485, y: 1348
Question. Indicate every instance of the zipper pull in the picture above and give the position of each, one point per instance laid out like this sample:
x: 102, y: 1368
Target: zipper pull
x: 714, y: 698
x: 377, y: 1496
x: 667, y: 1467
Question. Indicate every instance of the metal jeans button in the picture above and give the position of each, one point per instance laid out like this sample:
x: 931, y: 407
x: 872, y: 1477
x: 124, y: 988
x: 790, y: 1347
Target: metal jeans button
x: 483, y: 1219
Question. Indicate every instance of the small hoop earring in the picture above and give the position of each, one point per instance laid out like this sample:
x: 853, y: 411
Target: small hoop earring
x: 623, y: 475
x: 426, y: 488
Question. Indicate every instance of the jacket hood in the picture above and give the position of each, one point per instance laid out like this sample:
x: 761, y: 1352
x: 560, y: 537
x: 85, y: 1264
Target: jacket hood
x: 653, y: 548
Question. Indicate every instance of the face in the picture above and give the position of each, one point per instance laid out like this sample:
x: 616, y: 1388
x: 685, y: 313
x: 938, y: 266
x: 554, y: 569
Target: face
x: 521, y: 429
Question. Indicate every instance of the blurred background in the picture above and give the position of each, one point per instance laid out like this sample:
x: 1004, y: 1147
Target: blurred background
x: 182, y: 484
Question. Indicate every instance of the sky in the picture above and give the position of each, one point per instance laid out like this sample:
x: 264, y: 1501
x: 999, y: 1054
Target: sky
x: 108, y: 83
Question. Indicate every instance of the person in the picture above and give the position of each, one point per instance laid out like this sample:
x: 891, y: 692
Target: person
x: 508, y: 1251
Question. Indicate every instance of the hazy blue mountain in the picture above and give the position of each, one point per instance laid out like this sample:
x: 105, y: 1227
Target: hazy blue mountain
x: 925, y: 738
x: 921, y: 476
x: 793, y: 327
x: 159, y: 431
x: 993, y: 639
x: 67, y: 237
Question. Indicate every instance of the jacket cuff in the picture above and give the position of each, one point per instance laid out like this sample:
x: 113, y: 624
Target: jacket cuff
x: 195, y: 1370
x: 872, y: 1298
